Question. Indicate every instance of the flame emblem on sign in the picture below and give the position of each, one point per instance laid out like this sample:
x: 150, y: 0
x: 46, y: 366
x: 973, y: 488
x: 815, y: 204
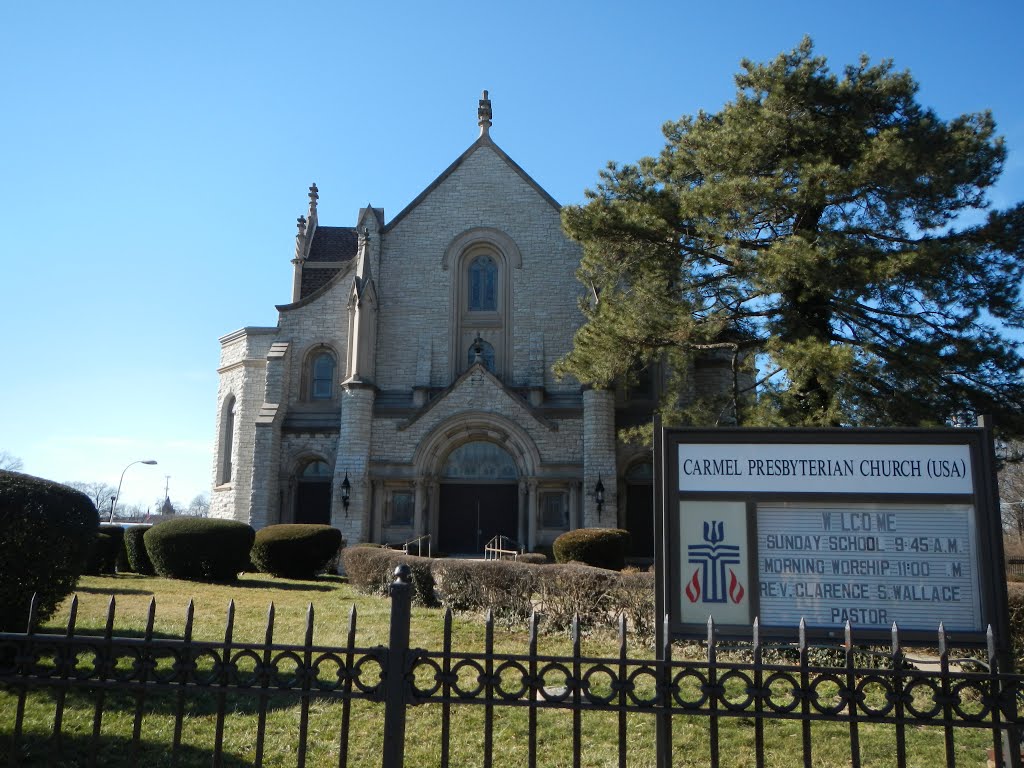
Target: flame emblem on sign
x: 708, y: 583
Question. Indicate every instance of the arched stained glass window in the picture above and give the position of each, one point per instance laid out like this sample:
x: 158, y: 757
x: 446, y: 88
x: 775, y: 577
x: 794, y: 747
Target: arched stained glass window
x: 483, y: 284
x: 479, y: 461
x: 322, y: 378
x: 316, y: 470
x: 486, y: 354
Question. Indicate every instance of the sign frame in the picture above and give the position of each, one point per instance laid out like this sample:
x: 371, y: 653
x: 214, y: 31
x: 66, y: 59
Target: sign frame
x: 981, y: 494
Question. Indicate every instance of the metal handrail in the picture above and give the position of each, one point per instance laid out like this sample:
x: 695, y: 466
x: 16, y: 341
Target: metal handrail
x: 503, y: 545
x: 418, y: 541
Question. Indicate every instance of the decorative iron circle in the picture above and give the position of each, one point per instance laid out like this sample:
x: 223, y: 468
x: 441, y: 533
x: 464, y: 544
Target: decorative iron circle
x: 746, y: 679
x: 325, y: 661
x: 928, y: 687
x: 365, y: 665
x: 862, y: 688
x: 516, y: 667
x: 472, y: 666
x: 423, y: 664
x: 588, y: 691
x: 817, y: 700
x: 289, y: 678
x: 677, y: 689
x: 770, y: 700
x: 546, y: 690
x: 243, y: 678
x: 639, y: 674
x: 978, y: 690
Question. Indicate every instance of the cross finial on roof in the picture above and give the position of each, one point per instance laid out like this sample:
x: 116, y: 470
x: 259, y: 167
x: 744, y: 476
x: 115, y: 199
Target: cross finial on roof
x: 301, y: 224
x: 483, y: 114
x: 314, y: 195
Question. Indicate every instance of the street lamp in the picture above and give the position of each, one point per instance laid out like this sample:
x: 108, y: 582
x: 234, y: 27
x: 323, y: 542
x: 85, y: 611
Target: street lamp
x: 113, y: 502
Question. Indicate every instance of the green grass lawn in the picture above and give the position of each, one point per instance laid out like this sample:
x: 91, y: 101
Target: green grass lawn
x: 333, y: 601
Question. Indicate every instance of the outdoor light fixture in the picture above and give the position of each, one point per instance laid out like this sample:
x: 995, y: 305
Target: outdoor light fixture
x: 113, y: 501
x: 346, y: 490
x: 599, y: 495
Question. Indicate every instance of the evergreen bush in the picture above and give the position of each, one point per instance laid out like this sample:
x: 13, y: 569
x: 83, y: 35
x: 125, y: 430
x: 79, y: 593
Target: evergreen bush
x: 135, y: 550
x: 597, y: 547
x: 295, y: 551
x: 105, y: 553
x: 46, y: 531
x: 505, y: 587
x: 199, y: 549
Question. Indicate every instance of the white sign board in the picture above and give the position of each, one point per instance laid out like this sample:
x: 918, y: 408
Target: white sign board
x: 825, y: 468
x: 870, y: 564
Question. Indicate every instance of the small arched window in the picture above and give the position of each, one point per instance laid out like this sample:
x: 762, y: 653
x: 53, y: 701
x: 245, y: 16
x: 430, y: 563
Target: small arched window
x: 486, y: 352
x: 321, y: 379
x: 228, y: 437
x: 483, y: 284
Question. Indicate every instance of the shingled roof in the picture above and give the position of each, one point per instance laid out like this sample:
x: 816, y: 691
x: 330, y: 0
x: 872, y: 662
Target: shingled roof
x: 333, y: 244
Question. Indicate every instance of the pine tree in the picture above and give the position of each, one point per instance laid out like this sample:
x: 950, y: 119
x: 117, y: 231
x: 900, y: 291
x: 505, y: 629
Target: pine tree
x: 829, y: 233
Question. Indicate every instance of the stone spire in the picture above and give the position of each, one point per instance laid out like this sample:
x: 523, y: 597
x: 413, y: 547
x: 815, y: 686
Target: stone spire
x: 314, y: 195
x: 483, y: 114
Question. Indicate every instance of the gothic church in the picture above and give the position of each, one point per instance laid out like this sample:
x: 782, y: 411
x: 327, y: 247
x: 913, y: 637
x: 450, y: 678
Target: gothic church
x: 407, y: 387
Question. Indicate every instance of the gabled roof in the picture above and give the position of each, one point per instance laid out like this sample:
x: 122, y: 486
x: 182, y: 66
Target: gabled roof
x: 484, y: 141
x: 478, y: 377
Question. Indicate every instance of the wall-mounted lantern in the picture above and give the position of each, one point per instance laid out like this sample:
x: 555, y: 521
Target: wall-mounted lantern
x: 599, y: 495
x: 346, y: 491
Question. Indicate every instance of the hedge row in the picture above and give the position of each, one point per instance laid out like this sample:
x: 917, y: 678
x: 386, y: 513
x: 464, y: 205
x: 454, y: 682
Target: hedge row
x: 513, y: 590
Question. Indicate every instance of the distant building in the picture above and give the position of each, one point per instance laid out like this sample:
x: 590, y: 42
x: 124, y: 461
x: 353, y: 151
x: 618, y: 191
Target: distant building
x: 414, y: 361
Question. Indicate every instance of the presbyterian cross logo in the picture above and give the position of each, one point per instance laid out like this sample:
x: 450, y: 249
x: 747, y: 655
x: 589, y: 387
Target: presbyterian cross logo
x: 709, y: 583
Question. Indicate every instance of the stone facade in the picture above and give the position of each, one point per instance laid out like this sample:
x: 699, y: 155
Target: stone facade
x: 407, y: 389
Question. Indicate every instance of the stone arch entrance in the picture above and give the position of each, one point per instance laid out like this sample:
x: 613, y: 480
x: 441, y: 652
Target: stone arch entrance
x: 498, y: 473
x: 479, y: 498
x: 313, y: 493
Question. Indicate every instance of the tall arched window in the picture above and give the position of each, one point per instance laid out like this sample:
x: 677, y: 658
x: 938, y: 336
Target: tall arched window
x: 228, y: 439
x: 322, y: 377
x: 483, y: 284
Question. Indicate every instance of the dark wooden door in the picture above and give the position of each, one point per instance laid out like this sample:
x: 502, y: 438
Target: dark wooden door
x: 313, y: 503
x: 471, y: 515
x: 640, y: 519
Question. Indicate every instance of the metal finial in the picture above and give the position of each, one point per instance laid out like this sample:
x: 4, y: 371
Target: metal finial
x: 484, y: 114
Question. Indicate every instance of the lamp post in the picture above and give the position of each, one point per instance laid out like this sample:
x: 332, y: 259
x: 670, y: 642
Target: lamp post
x: 113, y: 501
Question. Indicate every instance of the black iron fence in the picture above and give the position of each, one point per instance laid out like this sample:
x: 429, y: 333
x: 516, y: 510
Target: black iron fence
x: 755, y: 685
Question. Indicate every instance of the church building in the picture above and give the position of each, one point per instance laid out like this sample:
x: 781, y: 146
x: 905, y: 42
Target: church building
x: 407, y: 388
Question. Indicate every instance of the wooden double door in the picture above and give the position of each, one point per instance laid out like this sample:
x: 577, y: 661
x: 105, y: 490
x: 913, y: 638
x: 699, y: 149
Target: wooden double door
x: 471, y: 515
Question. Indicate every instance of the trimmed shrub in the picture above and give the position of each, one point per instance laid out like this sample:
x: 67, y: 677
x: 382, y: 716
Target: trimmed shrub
x: 295, y: 551
x: 598, y: 547
x: 102, y: 555
x: 371, y: 570
x: 135, y: 550
x: 533, y: 558
x: 369, y: 567
x: 199, y: 549
x: 105, y: 554
x: 632, y: 594
x: 503, y: 586
x: 571, y: 590
x: 46, y: 531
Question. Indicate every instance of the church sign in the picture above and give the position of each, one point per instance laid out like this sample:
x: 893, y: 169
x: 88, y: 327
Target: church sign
x: 873, y: 527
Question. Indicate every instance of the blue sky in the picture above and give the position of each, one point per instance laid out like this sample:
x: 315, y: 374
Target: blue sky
x: 154, y: 157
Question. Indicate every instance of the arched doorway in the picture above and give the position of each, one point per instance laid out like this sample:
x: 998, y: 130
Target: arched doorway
x: 479, y: 498
x: 640, y: 508
x: 313, y: 494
